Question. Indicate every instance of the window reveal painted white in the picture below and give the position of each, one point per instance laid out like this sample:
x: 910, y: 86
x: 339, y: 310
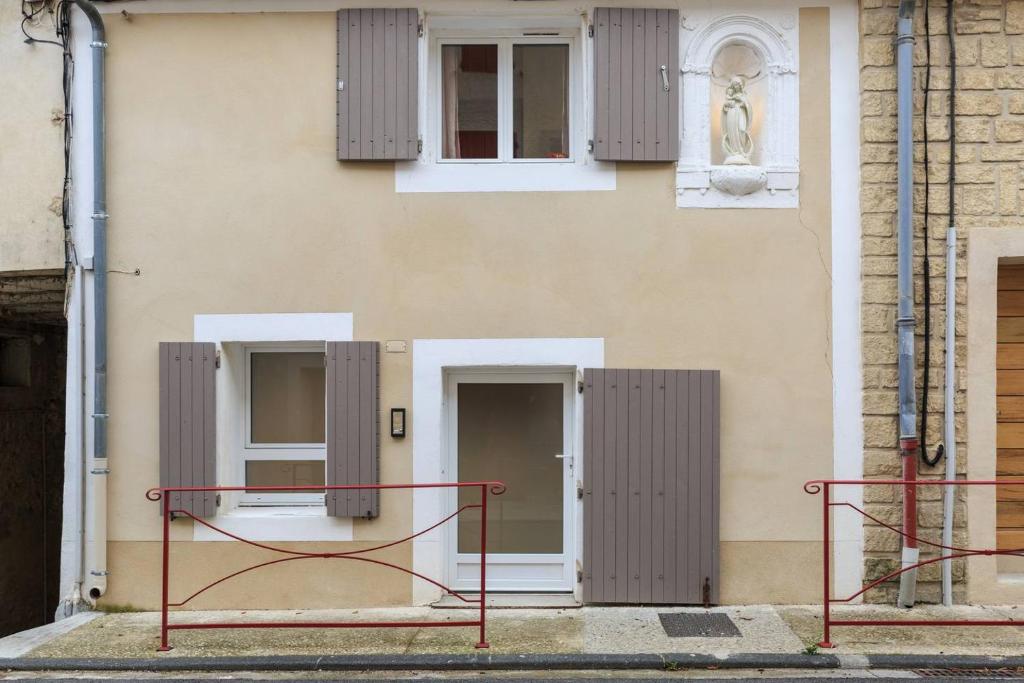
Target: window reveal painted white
x: 233, y: 333
x: 432, y: 173
x: 773, y: 35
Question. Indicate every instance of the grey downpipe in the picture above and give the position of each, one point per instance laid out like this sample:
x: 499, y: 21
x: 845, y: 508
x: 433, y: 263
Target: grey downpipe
x: 908, y: 439
x: 99, y: 470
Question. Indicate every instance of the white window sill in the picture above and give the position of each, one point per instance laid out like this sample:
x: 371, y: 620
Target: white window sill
x: 299, y: 523
x: 546, y: 176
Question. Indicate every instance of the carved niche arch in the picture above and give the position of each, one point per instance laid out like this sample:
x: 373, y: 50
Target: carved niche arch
x: 773, y: 182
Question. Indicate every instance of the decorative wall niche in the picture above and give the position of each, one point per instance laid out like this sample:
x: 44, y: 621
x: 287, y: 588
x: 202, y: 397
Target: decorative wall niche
x: 740, y: 105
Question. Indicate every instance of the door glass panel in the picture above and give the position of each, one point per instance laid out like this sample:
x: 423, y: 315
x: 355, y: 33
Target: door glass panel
x: 512, y: 433
x: 469, y: 75
x: 540, y: 101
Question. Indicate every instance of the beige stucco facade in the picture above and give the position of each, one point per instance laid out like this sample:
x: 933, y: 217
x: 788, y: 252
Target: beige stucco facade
x: 32, y: 163
x: 226, y: 194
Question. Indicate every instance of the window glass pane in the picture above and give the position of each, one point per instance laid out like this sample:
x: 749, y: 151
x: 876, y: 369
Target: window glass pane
x: 285, y: 473
x: 540, y: 101
x: 287, y: 395
x: 469, y: 75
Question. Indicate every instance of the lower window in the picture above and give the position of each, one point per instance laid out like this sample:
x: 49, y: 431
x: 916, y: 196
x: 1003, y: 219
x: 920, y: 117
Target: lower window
x: 284, y: 423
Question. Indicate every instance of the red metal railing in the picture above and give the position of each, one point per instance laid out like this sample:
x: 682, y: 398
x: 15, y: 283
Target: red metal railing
x: 946, y: 552
x: 163, y: 494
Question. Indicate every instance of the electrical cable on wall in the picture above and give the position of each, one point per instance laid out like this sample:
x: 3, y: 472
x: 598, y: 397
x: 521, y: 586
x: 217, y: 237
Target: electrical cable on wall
x: 31, y: 10
x: 927, y: 268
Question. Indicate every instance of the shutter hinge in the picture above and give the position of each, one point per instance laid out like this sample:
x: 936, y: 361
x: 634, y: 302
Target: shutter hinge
x: 579, y: 386
x: 590, y: 145
x: 579, y: 490
x: 419, y: 145
x: 216, y: 359
x: 590, y: 30
x: 579, y: 575
x: 419, y: 29
x: 217, y: 500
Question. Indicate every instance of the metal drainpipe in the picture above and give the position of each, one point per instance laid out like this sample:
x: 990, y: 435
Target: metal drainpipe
x: 96, y: 581
x: 908, y: 438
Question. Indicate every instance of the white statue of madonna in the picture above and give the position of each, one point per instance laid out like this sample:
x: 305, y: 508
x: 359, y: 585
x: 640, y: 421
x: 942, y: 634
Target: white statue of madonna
x: 737, y: 115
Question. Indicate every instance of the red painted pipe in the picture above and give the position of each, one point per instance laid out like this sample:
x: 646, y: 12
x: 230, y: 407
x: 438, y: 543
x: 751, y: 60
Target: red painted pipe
x: 908, y: 450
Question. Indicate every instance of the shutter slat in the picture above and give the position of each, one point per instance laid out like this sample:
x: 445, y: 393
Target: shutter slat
x: 188, y: 419
x: 391, y: 85
x: 646, y: 493
x: 590, y: 477
x: 353, y: 426
x: 378, y: 59
x: 650, y: 76
x: 601, y: 84
x: 635, y: 119
x: 651, y: 458
x: 635, y: 489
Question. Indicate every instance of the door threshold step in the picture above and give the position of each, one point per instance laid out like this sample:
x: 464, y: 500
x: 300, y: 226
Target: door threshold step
x: 512, y: 601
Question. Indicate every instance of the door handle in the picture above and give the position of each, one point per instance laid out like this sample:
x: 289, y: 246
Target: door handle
x: 562, y: 456
x: 664, y: 77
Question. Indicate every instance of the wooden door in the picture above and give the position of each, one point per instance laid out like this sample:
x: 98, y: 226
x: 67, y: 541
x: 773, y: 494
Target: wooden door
x: 1010, y: 406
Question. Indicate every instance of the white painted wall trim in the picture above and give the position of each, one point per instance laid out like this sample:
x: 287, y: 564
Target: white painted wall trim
x: 73, y: 501
x: 272, y: 327
x: 431, y: 357
x: 847, y: 383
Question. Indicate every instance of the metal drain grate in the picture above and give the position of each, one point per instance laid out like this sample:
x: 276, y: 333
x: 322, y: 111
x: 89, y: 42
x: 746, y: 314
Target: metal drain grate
x: 970, y: 673
x: 691, y: 625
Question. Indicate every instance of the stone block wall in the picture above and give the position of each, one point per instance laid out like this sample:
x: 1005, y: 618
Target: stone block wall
x: 989, y: 38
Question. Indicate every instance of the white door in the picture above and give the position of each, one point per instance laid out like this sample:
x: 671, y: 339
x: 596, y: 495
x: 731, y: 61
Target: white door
x: 516, y: 427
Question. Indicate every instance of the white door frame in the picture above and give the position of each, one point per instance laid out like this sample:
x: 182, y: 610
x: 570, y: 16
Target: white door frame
x: 431, y: 359
x: 508, y: 572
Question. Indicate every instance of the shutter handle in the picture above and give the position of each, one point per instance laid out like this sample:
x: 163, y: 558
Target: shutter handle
x: 664, y: 77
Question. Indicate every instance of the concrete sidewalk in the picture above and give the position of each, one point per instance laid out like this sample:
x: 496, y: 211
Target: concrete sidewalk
x: 764, y: 631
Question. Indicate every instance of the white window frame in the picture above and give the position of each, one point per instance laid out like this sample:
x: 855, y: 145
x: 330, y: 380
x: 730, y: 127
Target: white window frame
x: 276, y: 451
x: 430, y: 172
x: 506, y: 100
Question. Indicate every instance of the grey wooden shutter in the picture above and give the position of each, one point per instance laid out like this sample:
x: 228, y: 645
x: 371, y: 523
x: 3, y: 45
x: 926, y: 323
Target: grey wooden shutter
x: 635, y: 117
x: 353, y: 427
x: 188, y: 423
x: 651, y: 486
x: 378, y: 74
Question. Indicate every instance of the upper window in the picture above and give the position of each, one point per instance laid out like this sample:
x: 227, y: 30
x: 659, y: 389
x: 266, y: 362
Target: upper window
x: 284, y: 425
x: 504, y: 109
